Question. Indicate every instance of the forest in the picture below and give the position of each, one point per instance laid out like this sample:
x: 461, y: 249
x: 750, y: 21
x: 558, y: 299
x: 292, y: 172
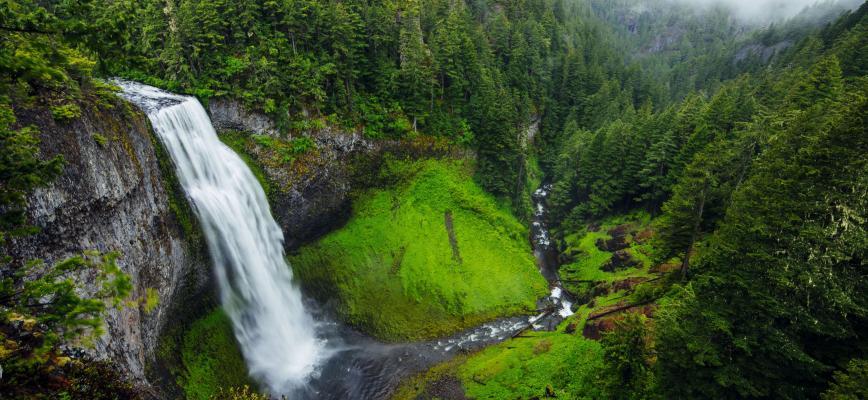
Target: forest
x: 733, y: 153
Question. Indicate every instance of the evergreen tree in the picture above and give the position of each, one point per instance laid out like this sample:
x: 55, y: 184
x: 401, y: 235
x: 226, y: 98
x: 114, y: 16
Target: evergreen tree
x: 780, y: 290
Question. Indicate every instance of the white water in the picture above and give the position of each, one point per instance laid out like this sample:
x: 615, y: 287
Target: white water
x: 276, y: 334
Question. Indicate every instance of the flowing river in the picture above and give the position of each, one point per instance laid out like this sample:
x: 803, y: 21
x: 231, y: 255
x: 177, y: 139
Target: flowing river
x: 290, y: 345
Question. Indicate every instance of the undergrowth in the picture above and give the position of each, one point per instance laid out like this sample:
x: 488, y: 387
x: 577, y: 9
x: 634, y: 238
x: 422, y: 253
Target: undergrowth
x: 211, y: 358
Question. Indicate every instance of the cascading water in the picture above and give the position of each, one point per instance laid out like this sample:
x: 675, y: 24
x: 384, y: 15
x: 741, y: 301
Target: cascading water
x: 278, y: 336
x: 276, y: 333
x: 546, y: 255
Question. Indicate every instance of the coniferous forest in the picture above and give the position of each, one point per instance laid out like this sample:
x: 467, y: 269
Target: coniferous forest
x: 691, y: 178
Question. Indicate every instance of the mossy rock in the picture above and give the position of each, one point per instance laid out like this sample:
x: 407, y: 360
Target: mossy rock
x: 425, y: 258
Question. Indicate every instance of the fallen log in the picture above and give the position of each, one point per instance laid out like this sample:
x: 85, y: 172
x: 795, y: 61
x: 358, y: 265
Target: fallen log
x: 549, y: 311
x: 618, y: 309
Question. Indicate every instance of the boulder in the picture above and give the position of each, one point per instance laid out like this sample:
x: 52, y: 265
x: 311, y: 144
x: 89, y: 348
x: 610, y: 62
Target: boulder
x: 621, y: 259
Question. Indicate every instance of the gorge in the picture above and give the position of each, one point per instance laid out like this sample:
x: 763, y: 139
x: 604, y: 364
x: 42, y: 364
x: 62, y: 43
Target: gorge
x: 285, y: 348
x: 433, y: 199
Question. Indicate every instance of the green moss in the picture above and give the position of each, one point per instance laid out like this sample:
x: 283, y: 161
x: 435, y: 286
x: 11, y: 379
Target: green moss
x: 211, y: 359
x: 100, y: 139
x: 152, y: 300
x: 525, y: 367
x: 589, y: 258
x: 520, y: 368
x: 395, y: 271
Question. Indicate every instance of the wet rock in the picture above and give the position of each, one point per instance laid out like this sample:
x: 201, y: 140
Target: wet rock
x: 550, y: 391
x: 312, y: 193
x: 113, y: 197
x: 229, y: 114
x: 621, y: 259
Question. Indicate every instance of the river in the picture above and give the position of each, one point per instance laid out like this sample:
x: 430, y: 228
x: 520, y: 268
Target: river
x: 290, y: 344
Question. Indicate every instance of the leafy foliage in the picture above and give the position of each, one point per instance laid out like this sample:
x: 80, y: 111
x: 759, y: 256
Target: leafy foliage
x: 627, y: 358
x: 850, y: 383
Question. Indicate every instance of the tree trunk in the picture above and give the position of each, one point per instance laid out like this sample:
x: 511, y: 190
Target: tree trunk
x: 700, y: 208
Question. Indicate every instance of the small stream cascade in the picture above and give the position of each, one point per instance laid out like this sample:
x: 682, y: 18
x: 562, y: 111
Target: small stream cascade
x: 276, y: 333
x: 547, y: 261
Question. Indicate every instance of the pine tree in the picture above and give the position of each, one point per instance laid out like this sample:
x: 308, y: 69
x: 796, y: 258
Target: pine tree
x: 779, y: 294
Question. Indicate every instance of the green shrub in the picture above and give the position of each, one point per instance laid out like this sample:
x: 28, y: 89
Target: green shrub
x: 100, y: 139
x: 211, y: 358
x: 66, y: 112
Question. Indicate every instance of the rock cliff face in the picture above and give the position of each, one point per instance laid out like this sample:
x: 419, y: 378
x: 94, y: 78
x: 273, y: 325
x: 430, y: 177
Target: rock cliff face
x: 118, y: 192
x: 230, y: 115
x: 112, y: 196
x: 311, y: 194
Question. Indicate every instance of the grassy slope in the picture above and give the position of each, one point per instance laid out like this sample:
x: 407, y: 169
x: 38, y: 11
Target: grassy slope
x: 589, y: 258
x: 210, y: 359
x: 524, y: 367
x: 392, y: 267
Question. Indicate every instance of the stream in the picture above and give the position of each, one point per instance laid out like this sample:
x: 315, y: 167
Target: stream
x: 362, y: 368
x: 291, y: 345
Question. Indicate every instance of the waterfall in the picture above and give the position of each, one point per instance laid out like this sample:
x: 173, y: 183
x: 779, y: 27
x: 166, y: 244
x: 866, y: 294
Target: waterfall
x: 276, y: 333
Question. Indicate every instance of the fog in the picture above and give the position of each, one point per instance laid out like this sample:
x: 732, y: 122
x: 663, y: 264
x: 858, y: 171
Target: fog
x: 766, y: 10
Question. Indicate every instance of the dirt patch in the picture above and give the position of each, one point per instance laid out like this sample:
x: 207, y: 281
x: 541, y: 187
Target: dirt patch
x: 595, y: 328
x: 621, y: 259
x: 627, y: 284
x: 665, y: 267
x: 620, y: 230
x: 453, y: 240
x: 643, y: 236
x: 445, y: 388
x: 397, y: 259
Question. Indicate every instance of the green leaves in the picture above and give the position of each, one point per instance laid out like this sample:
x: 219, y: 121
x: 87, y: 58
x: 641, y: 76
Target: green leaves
x: 780, y: 279
x: 21, y: 170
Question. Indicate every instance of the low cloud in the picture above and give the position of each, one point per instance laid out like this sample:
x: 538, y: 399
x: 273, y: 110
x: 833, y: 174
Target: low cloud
x: 766, y: 10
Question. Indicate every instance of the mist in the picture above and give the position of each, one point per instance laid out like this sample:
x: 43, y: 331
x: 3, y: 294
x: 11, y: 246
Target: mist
x: 767, y: 10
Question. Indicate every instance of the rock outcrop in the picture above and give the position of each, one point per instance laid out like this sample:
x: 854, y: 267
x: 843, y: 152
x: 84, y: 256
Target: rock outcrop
x: 231, y: 115
x: 311, y: 193
x: 118, y: 192
x: 113, y: 196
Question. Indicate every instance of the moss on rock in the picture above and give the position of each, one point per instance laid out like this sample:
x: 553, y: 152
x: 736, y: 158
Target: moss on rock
x: 211, y: 360
x: 396, y: 274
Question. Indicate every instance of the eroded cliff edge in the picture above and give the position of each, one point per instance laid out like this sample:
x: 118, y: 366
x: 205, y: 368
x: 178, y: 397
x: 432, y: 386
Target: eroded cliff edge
x: 116, y: 194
